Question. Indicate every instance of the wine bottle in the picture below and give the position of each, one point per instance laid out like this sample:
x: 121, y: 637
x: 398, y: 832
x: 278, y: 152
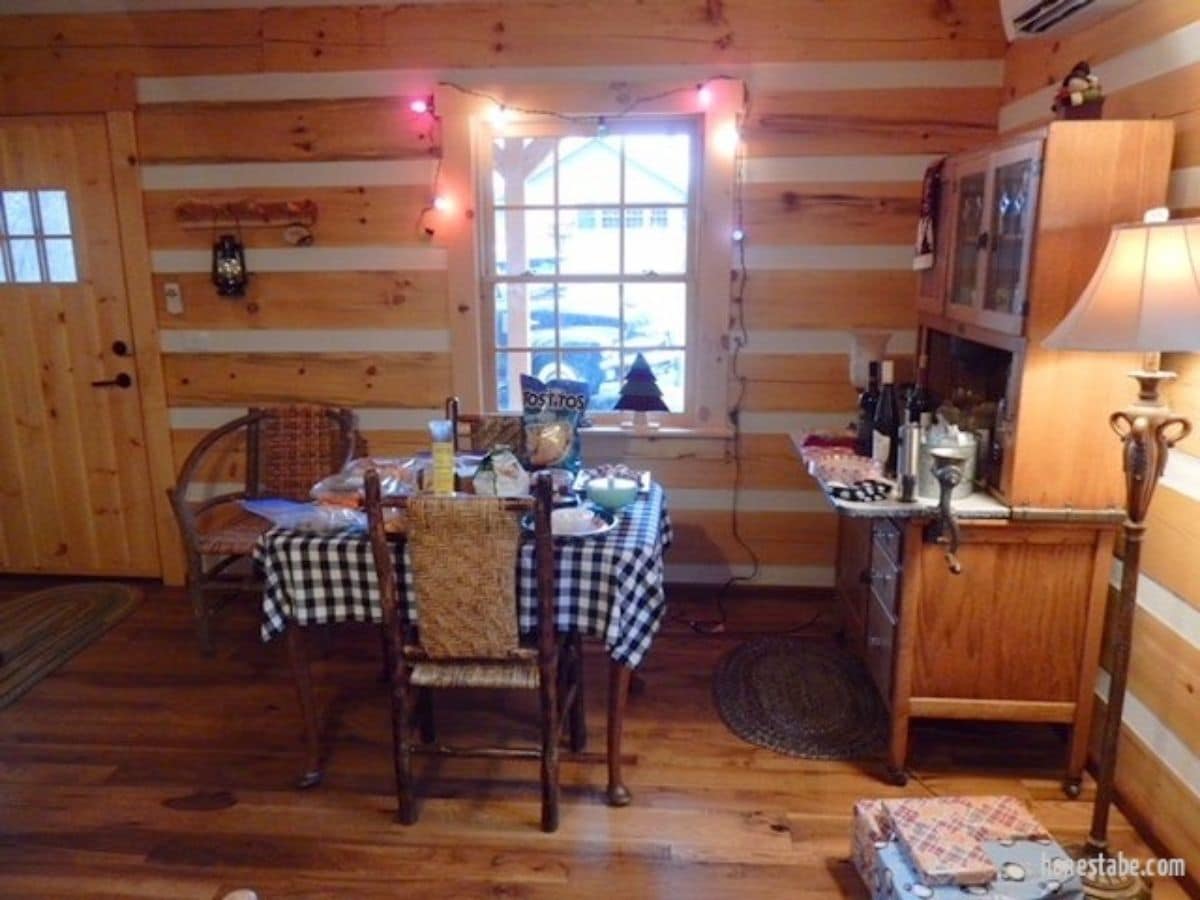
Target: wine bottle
x: 867, y: 402
x: 885, y: 432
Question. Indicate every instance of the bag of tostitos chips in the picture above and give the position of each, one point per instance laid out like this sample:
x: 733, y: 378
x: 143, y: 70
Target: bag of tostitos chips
x: 553, y: 412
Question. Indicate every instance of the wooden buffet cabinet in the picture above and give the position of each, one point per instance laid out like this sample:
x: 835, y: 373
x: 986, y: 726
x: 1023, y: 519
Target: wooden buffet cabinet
x: 1016, y: 636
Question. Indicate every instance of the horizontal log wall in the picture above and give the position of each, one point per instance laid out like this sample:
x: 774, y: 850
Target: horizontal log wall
x: 848, y: 105
x: 1148, y: 60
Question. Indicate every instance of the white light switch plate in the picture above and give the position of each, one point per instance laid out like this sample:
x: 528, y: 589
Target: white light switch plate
x: 173, y: 297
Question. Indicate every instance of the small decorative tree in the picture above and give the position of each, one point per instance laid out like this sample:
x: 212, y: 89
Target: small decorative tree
x: 640, y: 394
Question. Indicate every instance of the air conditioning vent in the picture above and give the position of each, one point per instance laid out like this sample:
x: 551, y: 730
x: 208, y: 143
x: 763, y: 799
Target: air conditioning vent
x: 1043, y: 18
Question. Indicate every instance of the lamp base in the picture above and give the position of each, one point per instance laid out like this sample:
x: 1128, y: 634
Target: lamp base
x: 1100, y: 884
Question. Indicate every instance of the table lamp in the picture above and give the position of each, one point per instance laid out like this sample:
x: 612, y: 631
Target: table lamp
x: 1143, y: 297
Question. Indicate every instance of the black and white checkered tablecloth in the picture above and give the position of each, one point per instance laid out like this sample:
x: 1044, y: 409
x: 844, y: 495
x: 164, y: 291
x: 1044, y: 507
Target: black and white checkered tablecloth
x: 609, y: 587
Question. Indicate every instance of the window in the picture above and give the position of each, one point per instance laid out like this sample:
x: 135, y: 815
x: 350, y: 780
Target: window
x: 35, y: 238
x: 573, y: 301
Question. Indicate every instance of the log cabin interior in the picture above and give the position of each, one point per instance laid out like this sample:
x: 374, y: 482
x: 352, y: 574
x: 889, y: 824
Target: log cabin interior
x: 773, y: 327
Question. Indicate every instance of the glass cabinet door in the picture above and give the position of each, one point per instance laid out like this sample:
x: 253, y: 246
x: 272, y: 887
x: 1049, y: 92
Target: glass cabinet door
x: 968, y: 230
x: 1010, y: 227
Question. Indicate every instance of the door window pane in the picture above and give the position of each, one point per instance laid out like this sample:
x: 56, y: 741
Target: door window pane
x: 27, y: 268
x: 53, y: 207
x: 60, y: 259
x: 35, y: 238
x: 18, y: 213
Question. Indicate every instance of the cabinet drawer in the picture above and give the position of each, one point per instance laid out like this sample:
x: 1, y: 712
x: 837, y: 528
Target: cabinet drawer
x: 887, y: 540
x: 881, y: 646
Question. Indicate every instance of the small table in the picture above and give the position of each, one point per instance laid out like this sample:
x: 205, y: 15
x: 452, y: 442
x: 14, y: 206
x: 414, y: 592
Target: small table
x: 609, y: 587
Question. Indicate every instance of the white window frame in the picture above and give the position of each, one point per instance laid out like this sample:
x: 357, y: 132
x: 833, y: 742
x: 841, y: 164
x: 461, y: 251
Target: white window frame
x: 633, y: 217
x: 466, y: 128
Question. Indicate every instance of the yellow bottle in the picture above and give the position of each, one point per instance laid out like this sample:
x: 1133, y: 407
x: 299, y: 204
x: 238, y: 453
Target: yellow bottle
x: 441, y: 434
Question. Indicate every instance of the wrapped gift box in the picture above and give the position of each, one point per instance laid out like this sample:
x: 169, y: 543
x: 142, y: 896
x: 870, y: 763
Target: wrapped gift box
x: 1012, y: 859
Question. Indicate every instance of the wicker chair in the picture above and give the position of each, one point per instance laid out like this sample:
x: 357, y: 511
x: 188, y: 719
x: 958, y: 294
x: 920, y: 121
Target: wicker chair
x: 288, y: 449
x: 463, y: 552
x: 485, y: 432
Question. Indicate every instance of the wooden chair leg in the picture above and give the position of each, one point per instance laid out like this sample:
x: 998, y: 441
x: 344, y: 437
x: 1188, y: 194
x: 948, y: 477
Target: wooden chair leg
x: 425, y: 723
x: 550, y: 723
x: 406, y: 802
x: 578, y: 724
x: 201, y: 613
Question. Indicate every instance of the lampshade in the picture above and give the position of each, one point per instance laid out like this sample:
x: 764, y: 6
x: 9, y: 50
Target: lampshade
x: 1144, y: 295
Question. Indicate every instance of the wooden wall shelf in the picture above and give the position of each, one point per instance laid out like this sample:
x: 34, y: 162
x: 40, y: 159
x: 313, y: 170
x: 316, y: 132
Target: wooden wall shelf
x: 194, y: 215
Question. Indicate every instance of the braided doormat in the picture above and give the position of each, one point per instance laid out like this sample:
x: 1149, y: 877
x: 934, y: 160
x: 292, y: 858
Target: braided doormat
x: 41, y: 631
x: 802, y: 697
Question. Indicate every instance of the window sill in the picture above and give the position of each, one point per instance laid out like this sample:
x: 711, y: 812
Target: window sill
x: 723, y: 432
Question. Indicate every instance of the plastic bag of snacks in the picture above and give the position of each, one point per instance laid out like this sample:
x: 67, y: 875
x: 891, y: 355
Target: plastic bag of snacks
x: 397, y: 477
x: 501, y: 475
x: 553, y: 412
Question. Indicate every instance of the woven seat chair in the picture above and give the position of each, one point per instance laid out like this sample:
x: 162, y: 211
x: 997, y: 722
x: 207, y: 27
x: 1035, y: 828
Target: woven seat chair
x: 486, y: 432
x: 287, y: 450
x: 463, y: 553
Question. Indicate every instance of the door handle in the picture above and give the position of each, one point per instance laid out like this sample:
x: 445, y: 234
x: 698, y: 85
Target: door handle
x: 123, y: 380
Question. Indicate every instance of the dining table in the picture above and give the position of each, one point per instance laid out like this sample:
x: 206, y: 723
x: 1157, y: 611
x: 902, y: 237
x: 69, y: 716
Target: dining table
x: 608, y: 587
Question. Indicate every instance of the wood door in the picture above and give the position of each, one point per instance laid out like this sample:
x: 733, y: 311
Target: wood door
x: 75, y: 491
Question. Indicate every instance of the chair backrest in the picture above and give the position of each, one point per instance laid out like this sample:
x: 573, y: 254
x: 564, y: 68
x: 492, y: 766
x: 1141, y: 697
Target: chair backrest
x: 291, y: 448
x: 486, y: 432
x: 464, y: 555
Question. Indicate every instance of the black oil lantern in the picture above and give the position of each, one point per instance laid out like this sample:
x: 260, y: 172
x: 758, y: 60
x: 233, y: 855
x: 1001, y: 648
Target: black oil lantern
x: 229, y: 266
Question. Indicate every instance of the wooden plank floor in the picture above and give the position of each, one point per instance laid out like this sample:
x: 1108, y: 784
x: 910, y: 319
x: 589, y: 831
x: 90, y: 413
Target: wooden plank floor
x: 141, y: 769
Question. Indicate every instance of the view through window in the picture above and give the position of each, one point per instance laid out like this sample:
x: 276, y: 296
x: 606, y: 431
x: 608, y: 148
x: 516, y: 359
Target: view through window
x: 590, y: 257
x: 35, y: 238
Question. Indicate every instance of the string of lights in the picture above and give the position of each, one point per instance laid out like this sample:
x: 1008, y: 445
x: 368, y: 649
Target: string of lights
x: 729, y: 140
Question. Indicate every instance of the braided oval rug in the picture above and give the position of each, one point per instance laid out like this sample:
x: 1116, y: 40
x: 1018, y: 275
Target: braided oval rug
x: 802, y: 697
x: 42, y: 630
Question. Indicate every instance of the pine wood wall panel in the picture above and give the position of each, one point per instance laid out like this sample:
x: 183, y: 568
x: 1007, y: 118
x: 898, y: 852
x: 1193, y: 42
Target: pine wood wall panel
x: 608, y: 32
x: 410, y: 380
x: 346, y: 216
x: 706, y: 536
x: 317, y: 300
x: 1169, y: 555
x: 38, y: 93
x: 1164, y: 662
x: 1175, y: 95
x: 843, y: 213
x: 179, y: 43
x: 830, y: 298
x: 1155, y: 796
x: 1030, y: 65
x: 813, y: 106
x: 283, y: 132
x: 1184, y: 394
x: 909, y: 120
x: 1164, y: 673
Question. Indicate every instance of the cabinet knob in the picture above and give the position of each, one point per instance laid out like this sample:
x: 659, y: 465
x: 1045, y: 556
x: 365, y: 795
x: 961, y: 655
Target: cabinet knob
x: 874, y: 641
